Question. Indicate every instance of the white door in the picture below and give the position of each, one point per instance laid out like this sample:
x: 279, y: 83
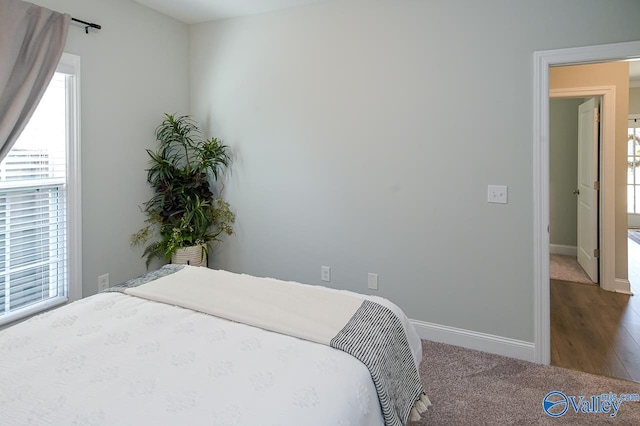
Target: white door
x: 588, y: 131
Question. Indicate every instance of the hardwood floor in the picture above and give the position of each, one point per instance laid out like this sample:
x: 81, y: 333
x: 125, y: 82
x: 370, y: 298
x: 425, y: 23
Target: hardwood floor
x: 597, y: 331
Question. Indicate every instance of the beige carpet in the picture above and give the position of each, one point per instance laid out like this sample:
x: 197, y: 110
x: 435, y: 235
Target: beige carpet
x: 566, y: 268
x: 472, y: 388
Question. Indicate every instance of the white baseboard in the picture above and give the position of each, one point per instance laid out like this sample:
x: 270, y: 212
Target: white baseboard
x: 622, y: 286
x: 564, y: 250
x: 475, y: 340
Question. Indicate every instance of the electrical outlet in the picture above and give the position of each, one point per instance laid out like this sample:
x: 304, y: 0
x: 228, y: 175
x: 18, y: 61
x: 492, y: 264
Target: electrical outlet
x: 103, y: 282
x: 497, y: 194
x: 373, y: 281
x: 325, y: 273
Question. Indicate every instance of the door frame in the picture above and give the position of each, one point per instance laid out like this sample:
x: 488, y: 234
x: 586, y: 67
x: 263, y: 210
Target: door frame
x: 542, y: 61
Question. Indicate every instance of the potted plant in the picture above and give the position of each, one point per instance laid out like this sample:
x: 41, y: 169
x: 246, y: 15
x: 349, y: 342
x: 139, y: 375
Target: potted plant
x: 184, y: 216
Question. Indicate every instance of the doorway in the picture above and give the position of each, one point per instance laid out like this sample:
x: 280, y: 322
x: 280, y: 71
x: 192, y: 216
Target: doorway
x: 591, y: 329
x: 542, y: 63
x: 574, y: 155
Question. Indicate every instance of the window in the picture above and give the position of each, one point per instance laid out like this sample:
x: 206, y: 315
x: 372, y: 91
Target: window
x: 39, y: 204
x: 633, y: 163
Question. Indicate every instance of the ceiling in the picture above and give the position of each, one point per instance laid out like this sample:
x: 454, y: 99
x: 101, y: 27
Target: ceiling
x: 195, y: 11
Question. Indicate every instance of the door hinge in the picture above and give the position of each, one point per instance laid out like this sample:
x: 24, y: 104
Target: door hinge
x: 596, y: 185
x: 596, y: 252
x: 596, y: 116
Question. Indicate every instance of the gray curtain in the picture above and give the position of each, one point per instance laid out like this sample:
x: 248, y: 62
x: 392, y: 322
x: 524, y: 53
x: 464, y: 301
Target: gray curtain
x: 32, y: 39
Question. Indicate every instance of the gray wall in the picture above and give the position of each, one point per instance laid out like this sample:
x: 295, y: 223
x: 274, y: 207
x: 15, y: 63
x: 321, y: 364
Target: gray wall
x: 563, y: 171
x: 132, y: 71
x: 355, y: 148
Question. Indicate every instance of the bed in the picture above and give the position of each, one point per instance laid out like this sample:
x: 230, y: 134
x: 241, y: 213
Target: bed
x: 194, y: 346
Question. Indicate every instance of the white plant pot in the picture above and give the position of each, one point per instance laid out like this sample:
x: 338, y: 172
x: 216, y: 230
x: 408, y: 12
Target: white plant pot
x: 194, y: 256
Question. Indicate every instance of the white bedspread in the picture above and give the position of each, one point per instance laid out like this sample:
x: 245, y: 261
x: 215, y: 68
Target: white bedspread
x: 113, y: 359
x: 366, y: 330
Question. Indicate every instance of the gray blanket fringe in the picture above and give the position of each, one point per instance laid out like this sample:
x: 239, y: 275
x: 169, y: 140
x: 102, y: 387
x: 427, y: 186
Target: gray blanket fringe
x: 145, y: 278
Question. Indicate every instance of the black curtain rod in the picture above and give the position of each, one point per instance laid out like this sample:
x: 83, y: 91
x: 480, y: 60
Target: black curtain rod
x: 88, y: 25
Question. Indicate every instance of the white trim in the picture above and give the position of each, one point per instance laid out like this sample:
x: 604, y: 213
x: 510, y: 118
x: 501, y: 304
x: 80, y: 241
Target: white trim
x: 541, y: 285
x: 541, y: 63
x: 622, y: 286
x: 475, y: 340
x: 563, y: 250
x: 37, y: 308
x: 71, y: 64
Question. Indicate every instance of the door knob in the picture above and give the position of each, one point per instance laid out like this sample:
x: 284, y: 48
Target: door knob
x: 576, y: 192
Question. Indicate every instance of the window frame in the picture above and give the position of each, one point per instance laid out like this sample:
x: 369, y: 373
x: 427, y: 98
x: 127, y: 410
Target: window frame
x: 69, y: 64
